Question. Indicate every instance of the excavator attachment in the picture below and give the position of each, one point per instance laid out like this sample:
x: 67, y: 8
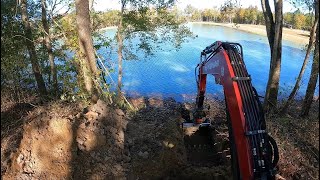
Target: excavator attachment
x: 254, y: 153
x: 200, y: 141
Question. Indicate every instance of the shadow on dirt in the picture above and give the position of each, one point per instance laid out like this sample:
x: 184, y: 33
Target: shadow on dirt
x: 12, y: 118
x: 12, y: 121
x: 200, y: 148
x: 63, y: 140
x: 163, y: 150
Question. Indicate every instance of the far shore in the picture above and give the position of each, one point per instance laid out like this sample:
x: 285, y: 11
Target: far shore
x: 293, y: 35
x: 108, y: 27
x: 299, y: 37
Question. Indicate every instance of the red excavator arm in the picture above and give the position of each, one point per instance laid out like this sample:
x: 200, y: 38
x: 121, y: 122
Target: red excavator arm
x: 254, y: 153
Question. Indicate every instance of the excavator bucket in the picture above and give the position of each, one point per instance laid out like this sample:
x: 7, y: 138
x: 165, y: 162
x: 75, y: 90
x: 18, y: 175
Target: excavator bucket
x: 200, y: 142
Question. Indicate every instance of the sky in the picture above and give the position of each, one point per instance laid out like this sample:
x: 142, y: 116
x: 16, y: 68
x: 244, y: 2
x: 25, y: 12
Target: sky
x: 102, y: 5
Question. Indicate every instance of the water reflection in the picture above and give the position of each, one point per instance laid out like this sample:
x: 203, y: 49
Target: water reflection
x: 172, y: 73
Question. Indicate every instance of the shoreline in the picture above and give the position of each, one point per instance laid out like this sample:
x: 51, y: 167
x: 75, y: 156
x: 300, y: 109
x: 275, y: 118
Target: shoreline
x: 108, y: 27
x: 296, y: 36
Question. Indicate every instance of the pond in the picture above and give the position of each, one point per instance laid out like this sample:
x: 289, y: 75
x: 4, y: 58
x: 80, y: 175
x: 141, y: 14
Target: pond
x: 171, y: 73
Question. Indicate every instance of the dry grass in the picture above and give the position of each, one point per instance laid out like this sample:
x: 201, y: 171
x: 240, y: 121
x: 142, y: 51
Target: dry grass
x: 298, y: 143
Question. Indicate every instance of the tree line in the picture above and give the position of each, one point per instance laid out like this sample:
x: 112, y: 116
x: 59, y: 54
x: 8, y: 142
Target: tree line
x: 230, y: 12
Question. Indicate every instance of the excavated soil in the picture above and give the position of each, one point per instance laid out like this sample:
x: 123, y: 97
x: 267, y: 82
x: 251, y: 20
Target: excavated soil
x: 63, y: 140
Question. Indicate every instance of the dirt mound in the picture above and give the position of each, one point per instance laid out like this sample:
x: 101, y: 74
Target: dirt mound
x: 61, y: 140
x: 44, y: 149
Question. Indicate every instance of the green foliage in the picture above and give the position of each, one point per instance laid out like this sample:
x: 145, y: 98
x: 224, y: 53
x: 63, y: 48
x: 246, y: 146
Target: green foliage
x: 143, y: 26
x: 14, y: 61
x: 153, y: 27
x: 299, y: 21
x: 230, y: 11
x: 288, y: 18
x: 210, y: 14
x: 109, y: 18
x: 73, y: 67
x: 189, y: 10
x: 150, y: 26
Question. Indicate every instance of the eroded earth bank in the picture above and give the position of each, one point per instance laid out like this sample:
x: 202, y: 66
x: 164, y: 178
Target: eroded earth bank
x: 64, y: 140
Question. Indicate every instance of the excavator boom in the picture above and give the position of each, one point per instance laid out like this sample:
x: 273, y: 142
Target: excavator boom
x: 254, y: 152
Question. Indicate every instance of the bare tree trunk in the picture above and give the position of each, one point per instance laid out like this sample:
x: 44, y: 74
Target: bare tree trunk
x: 87, y: 55
x: 31, y: 48
x: 274, y: 32
x: 305, y: 61
x: 268, y: 17
x: 91, y: 2
x: 90, y: 11
x: 312, y: 80
x: 120, y: 48
x: 47, y: 42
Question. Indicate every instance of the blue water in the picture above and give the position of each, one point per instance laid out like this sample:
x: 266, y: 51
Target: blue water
x: 171, y: 73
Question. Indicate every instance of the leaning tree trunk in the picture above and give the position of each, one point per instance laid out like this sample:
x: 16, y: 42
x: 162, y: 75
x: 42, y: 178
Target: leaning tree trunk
x: 120, y: 56
x: 312, y: 80
x: 274, y: 32
x: 86, y: 54
x: 305, y: 61
x: 47, y: 42
x: 31, y: 49
x: 268, y: 17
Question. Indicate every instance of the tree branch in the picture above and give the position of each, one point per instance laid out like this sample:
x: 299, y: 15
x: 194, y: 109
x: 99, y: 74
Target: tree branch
x: 269, y: 21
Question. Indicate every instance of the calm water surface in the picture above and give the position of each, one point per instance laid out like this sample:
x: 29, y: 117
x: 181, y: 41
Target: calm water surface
x: 170, y: 73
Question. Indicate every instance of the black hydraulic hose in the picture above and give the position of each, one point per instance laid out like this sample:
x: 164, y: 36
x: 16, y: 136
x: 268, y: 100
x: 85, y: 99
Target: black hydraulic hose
x: 214, y: 52
x: 275, y: 151
x: 251, y: 104
x: 248, y: 117
x: 244, y: 87
x: 251, y: 101
x: 248, y: 113
x: 195, y: 74
x: 248, y: 87
x: 241, y: 84
x: 269, y: 155
x: 238, y: 45
x: 248, y: 91
x: 274, y: 147
x: 262, y: 125
x: 260, y: 108
x: 252, y: 107
x: 273, y: 143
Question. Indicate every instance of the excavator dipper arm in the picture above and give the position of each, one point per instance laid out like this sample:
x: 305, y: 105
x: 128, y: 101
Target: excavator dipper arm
x: 256, y: 152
